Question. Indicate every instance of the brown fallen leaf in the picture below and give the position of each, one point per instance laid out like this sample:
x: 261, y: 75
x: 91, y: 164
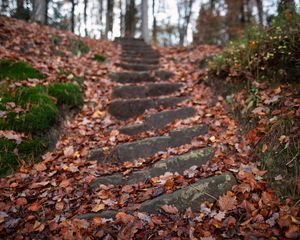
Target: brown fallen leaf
x: 98, y: 207
x: 293, y: 232
x: 170, y: 209
x: 227, y: 202
x: 21, y: 201
x: 69, y: 151
x: 36, y: 206
x: 59, y: 206
x: 38, y: 227
x: 40, y: 167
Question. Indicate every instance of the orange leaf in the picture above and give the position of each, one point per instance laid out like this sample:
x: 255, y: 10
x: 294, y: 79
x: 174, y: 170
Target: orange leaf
x: 264, y: 148
x: 59, y: 206
x: 69, y: 151
x: 40, y: 167
x: 170, y: 209
x: 293, y: 232
x: 227, y: 202
x: 21, y: 201
x: 36, y: 206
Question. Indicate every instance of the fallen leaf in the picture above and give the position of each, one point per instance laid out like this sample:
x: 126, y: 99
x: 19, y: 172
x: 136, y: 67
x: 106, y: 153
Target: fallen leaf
x: 69, y: 151
x: 59, y: 206
x: 36, y: 206
x: 227, y: 202
x: 98, y: 207
x: 170, y: 209
x: 21, y: 201
x: 40, y: 167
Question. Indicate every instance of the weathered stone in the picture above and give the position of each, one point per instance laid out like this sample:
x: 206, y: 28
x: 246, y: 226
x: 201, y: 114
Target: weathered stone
x: 153, y: 61
x: 136, y: 66
x: 132, y: 77
x: 149, y: 146
x: 172, y: 164
x: 140, y: 55
x: 146, y: 90
x: 158, y: 120
x: 125, y: 109
x: 193, y: 195
x: 163, y: 75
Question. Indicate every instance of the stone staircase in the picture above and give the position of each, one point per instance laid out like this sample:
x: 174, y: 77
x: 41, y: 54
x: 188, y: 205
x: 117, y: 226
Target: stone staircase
x: 143, y: 86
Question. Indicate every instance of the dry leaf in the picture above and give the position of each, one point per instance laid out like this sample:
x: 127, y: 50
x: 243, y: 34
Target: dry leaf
x: 170, y: 209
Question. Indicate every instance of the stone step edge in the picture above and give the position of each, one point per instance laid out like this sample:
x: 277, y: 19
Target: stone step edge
x: 207, y: 189
x: 175, y: 163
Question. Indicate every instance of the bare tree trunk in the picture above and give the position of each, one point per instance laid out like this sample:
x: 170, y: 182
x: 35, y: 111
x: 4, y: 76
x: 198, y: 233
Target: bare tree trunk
x: 73, y: 15
x: 185, y: 5
x: 85, y: 17
x: 4, y: 6
x: 130, y: 18
x: 145, y: 28
x: 39, y: 11
x: 20, y: 9
x: 154, y: 26
x: 121, y: 18
x: 109, y: 17
x: 260, y: 11
x: 101, y: 16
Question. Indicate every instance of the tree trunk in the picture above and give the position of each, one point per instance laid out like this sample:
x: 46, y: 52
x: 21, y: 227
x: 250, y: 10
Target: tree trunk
x: 73, y: 15
x: 130, y: 18
x: 109, y: 17
x: 121, y: 18
x: 260, y: 11
x: 20, y: 9
x: 154, y: 26
x: 101, y: 17
x: 4, y: 6
x: 145, y: 28
x: 39, y: 11
x: 182, y: 28
x: 85, y: 17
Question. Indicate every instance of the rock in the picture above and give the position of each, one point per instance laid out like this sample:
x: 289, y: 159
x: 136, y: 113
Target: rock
x: 172, y: 164
x: 153, y: 61
x: 125, y: 109
x: 137, y: 66
x: 147, y: 147
x: 158, y: 120
x: 146, y: 90
x: 191, y: 196
x: 163, y: 75
x: 208, y: 189
x: 132, y: 77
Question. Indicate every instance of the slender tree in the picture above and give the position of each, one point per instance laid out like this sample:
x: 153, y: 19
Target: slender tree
x: 109, y: 17
x: 154, y: 24
x: 260, y: 11
x: 184, y: 8
x: 85, y: 16
x: 145, y: 28
x: 130, y: 18
x: 39, y: 11
x: 20, y: 11
x: 73, y: 5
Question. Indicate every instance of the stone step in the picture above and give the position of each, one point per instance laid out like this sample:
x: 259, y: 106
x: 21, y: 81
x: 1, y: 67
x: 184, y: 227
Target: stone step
x: 129, y: 39
x: 191, y: 196
x: 139, y: 51
x: 147, y: 147
x: 173, y: 164
x: 140, y: 77
x: 146, y: 90
x: 137, y: 66
x: 126, y: 109
x: 140, y: 55
x: 158, y: 120
x: 154, y: 61
x: 133, y: 48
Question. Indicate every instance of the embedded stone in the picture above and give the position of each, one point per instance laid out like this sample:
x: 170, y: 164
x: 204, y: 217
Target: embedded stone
x: 137, y: 66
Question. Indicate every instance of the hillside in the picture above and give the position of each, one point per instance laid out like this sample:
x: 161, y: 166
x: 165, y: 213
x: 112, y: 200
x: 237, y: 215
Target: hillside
x: 105, y: 177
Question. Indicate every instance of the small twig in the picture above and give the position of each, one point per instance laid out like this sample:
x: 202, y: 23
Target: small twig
x: 292, y: 159
x: 204, y: 193
x: 296, y: 203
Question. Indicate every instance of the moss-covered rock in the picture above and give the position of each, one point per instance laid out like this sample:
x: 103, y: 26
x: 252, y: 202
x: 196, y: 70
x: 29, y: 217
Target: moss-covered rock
x: 18, y: 71
x: 78, y: 47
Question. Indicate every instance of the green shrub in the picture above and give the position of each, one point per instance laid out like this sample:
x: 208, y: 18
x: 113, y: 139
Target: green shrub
x: 265, y: 54
x: 66, y: 94
x: 99, y: 58
x: 18, y: 71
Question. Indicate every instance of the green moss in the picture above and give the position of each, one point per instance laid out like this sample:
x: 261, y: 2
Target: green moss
x: 78, y: 47
x: 31, y: 147
x: 18, y: 71
x: 99, y: 58
x: 66, y: 94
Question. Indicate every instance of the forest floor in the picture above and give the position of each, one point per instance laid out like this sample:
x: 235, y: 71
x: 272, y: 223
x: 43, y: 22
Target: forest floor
x: 42, y: 200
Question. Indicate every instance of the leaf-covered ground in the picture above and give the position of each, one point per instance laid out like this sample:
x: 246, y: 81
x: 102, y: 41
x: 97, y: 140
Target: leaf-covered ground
x: 41, y: 201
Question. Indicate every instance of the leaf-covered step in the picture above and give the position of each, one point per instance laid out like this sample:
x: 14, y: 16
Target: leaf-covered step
x: 140, y: 55
x: 191, y: 196
x: 140, y: 77
x: 146, y: 90
x: 137, y: 66
x: 147, y: 147
x: 125, y: 109
x: 173, y: 164
x: 151, y: 61
x: 158, y: 120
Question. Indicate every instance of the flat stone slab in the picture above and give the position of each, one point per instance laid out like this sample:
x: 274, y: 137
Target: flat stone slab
x: 140, y: 77
x: 207, y: 189
x: 147, y: 147
x: 172, y: 164
x: 147, y: 90
x: 125, y: 109
x: 137, y: 66
x: 158, y: 120
x: 153, y: 61
x: 140, y: 55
